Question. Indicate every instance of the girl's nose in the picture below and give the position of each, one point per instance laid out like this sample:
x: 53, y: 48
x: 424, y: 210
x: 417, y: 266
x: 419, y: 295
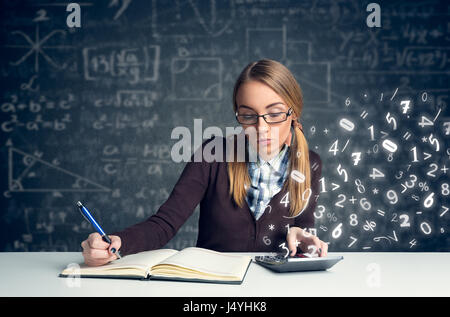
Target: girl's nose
x: 262, y: 125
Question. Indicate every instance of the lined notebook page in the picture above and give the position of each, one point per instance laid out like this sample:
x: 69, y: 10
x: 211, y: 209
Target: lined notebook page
x: 209, y: 261
x: 143, y: 261
x: 146, y: 258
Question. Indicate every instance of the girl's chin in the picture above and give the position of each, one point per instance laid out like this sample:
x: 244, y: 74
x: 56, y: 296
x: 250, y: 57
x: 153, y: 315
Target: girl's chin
x: 266, y: 148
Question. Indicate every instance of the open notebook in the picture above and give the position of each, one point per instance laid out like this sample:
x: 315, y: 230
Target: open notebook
x: 190, y: 264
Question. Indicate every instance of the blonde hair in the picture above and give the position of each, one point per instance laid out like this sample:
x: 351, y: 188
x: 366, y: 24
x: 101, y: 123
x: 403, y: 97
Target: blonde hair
x: 279, y: 79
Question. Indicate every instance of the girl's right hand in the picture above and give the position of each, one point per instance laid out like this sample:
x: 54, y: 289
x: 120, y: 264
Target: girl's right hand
x: 97, y: 252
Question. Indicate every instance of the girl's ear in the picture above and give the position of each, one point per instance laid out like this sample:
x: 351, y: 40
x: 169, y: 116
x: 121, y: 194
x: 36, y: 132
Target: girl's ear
x: 294, y: 119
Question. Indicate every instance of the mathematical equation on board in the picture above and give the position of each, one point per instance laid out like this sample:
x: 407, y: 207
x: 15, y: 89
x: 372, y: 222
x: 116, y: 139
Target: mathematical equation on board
x: 41, y: 113
x: 388, y: 177
x: 132, y: 64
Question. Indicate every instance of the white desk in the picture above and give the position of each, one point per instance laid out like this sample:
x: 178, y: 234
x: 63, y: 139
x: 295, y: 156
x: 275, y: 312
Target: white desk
x: 399, y: 274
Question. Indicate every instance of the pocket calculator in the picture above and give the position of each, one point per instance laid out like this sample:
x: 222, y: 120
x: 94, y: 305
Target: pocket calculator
x: 298, y: 263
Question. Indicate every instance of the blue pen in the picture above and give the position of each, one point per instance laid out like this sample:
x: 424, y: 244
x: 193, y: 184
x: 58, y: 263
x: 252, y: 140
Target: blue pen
x: 96, y: 226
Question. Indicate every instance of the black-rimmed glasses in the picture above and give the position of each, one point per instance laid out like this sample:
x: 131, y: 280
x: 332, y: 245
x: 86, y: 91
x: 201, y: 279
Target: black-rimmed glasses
x: 275, y: 117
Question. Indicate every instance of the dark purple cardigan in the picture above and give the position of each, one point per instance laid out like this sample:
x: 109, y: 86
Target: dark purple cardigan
x: 223, y: 226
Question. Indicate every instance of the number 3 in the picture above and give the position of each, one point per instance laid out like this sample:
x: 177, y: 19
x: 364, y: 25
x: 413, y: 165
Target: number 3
x: 321, y: 211
x: 283, y: 246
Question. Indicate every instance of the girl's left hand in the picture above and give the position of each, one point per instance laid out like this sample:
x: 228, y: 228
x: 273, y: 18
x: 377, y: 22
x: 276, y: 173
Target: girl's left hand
x: 307, y: 242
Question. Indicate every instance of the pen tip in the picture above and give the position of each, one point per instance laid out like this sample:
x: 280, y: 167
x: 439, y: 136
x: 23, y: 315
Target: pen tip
x: 79, y: 204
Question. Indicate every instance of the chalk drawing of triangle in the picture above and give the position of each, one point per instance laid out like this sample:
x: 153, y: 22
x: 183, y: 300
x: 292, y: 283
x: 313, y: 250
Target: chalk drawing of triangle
x: 29, y: 173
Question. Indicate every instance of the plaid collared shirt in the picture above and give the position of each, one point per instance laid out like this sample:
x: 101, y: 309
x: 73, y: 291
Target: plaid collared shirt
x: 267, y: 179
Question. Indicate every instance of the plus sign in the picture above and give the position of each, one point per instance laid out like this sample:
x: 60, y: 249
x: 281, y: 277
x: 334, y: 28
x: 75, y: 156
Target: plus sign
x: 444, y: 169
x: 353, y: 200
x: 326, y: 131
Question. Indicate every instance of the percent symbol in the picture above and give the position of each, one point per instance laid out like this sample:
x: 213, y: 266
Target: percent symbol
x: 423, y: 186
x: 369, y: 225
x: 332, y: 217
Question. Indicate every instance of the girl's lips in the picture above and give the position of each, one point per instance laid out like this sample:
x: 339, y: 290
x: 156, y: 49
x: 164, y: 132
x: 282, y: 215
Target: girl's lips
x: 264, y: 141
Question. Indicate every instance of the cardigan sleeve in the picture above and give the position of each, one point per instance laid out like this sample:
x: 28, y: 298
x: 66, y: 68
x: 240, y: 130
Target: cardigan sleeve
x: 306, y: 219
x: 154, y: 232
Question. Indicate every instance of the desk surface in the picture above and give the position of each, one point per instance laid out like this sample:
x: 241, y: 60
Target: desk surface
x: 359, y: 274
